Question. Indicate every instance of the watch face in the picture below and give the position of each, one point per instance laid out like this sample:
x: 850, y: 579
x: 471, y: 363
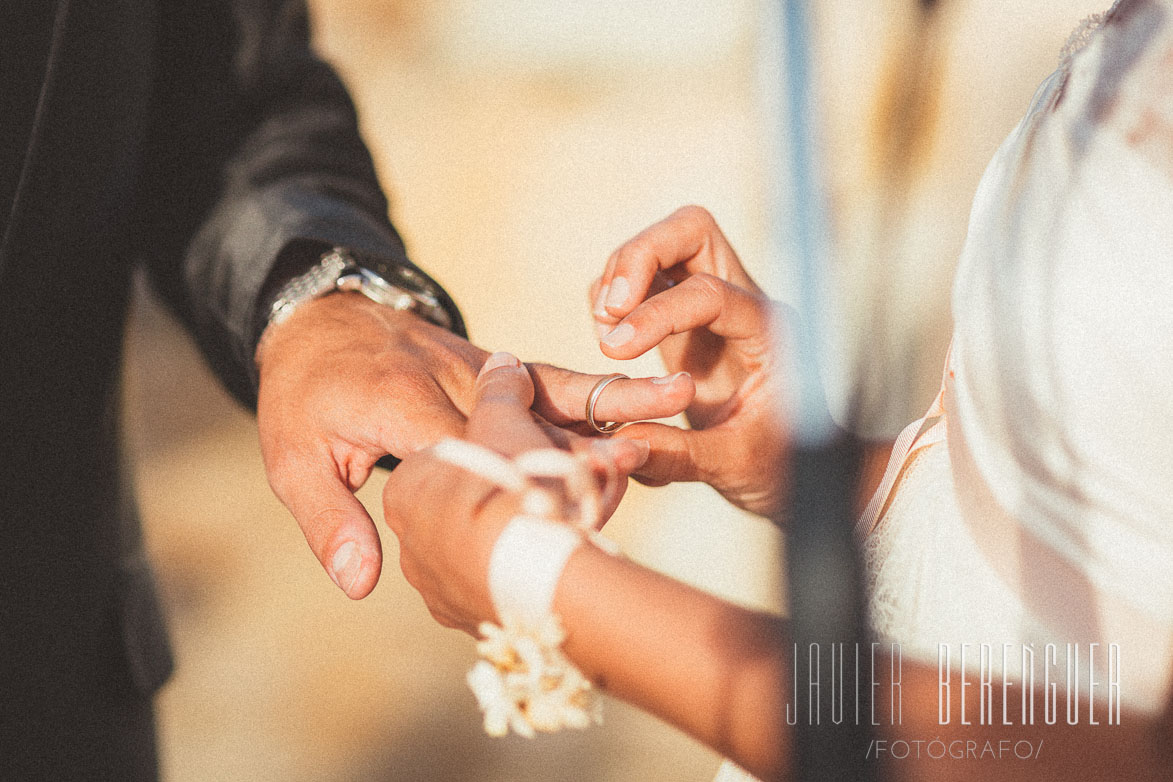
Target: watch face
x: 407, y: 278
x: 403, y: 288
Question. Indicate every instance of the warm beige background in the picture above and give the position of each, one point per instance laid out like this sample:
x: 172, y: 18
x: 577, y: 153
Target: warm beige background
x: 521, y: 141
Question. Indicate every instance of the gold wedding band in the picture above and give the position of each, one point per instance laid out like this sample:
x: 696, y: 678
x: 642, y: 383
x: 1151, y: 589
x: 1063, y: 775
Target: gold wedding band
x: 592, y: 400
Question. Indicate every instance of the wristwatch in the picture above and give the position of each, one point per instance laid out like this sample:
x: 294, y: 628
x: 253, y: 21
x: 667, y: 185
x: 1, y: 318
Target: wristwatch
x: 396, y: 286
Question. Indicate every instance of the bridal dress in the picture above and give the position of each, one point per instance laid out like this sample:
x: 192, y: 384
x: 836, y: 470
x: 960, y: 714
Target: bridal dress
x: 1040, y: 509
x: 1034, y: 506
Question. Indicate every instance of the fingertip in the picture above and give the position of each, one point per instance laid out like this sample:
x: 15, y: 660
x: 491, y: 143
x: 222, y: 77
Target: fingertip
x: 354, y: 568
x: 336, y: 526
x: 625, y: 455
x: 504, y: 393
x: 640, y: 451
x: 619, y: 354
x: 365, y: 583
x: 615, y: 296
x: 679, y: 384
x: 617, y: 340
x: 599, y: 294
x: 676, y: 378
x: 504, y: 376
x: 673, y: 394
x: 498, y: 360
x: 669, y: 458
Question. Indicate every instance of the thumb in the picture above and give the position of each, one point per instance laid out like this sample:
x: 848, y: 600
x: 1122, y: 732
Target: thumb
x: 336, y: 526
x: 501, y: 418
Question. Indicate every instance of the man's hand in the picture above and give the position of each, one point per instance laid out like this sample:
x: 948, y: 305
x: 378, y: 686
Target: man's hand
x: 344, y: 381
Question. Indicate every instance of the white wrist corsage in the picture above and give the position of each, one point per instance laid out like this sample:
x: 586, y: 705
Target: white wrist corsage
x: 523, y: 682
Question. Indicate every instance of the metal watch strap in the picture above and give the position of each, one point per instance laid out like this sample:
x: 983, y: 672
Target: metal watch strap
x: 338, y: 270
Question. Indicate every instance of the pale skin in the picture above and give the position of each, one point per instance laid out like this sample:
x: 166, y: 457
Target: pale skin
x: 678, y: 286
x: 713, y: 323
x: 717, y: 671
x: 344, y: 381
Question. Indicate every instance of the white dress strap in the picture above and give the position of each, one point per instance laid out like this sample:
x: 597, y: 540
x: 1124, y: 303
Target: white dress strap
x: 914, y: 437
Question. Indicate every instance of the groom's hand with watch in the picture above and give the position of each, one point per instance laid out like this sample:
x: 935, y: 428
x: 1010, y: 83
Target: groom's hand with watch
x: 347, y: 378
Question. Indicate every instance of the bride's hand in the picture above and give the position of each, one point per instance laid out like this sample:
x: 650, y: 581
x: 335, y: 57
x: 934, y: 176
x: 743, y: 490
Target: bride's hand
x: 679, y: 285
x: 448, y: 518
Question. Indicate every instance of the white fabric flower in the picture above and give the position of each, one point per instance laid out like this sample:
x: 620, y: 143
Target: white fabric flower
x: 488, y: 686
x: 525, y: 684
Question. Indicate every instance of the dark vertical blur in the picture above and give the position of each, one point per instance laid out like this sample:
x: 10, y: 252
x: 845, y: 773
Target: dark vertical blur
x: 825, y: 581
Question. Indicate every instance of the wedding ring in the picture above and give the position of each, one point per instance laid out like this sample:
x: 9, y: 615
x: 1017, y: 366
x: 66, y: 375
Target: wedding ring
x: 592, y: 400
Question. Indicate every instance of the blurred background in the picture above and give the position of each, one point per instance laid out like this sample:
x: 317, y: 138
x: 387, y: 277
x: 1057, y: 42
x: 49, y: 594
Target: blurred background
x: 521, y: 141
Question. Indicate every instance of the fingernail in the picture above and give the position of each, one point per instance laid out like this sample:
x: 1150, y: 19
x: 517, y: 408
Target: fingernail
x: 600, y: 310
x: 618, y: 293
x: 620, y: 335
x: 669, y: 380
x: 498, y: 360
x: 643, y: 449
x: 346, y: 566
x: 602, y: 329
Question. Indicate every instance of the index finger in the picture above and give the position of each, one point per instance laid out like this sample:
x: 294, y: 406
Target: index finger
x: 689, y: 237
x: 561, y: 396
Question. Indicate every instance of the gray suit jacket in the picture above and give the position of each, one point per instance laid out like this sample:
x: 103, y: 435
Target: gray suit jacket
x: 202, y: 140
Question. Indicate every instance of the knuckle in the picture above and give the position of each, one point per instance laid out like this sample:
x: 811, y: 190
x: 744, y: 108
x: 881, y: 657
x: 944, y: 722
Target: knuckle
x: 712, y: 293
x: 656, y: 311
x: 393, y: 509
x: 681, y: 463
x: 636, y: 253
x: 707, y: 285
x: 282, y: 471
x: 276, y: 474
x: 410, y: 385
x: 320, y: 526
x: 697, y: 216
x: 441, y: 617
x: 703, y: 463
x: 411, y: 572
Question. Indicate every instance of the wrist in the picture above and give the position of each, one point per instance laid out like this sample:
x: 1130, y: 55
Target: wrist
x: 391, y: 282
x: 341, y: 315
x: 485, y: 530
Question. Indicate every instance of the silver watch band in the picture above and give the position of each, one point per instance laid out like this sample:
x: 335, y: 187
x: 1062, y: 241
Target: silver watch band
x: 339, y: 271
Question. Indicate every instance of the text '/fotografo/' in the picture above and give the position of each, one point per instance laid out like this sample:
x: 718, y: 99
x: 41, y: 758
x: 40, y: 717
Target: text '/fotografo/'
x: 955, y: 749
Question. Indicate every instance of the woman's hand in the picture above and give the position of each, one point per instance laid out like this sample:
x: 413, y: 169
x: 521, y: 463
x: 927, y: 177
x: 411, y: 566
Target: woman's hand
x: 715, y: 670
x: 679, y: 285
x: 447, y: 519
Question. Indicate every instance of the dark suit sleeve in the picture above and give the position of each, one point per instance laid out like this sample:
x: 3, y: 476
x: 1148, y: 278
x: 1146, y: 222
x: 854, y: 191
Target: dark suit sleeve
x: 253, y: 161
